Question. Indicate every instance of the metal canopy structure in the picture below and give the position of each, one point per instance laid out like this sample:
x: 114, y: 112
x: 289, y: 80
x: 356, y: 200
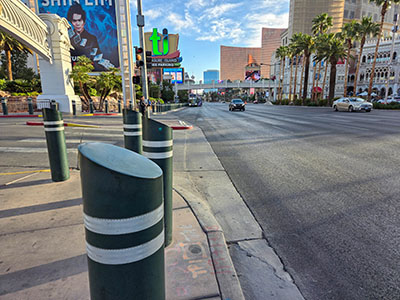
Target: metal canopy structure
x: 24, y: 25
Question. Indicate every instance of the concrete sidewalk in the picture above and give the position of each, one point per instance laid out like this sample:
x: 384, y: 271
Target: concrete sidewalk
x: 43, y: 255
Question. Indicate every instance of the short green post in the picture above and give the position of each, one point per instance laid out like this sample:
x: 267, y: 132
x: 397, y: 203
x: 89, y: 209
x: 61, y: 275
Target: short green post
x: 119, y: 106
x: 56, y: 146
x: 132, y: 130
x: 30, y: 105
x: 4, y: 106
x: 91, y: 110
x: 124, y: 225
x: 157, y: 146
x: 74, y: 107
x: 106, y: 106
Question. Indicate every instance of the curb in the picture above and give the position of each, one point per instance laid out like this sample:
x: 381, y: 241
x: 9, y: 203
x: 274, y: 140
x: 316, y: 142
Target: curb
x: 183, y: 126
x: 98, y: 114
x: 65, y: 124
x: 228, y: 281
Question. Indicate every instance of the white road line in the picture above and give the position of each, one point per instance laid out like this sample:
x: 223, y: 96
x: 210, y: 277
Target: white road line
x: 70, y: 141
x: 29, y: 150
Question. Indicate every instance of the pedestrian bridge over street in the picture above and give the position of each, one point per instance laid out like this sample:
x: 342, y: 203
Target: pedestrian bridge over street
x: 263, y: 84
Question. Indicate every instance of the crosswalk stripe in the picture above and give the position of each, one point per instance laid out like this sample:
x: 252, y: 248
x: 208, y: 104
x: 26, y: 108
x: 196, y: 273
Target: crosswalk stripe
x: 70, y: 141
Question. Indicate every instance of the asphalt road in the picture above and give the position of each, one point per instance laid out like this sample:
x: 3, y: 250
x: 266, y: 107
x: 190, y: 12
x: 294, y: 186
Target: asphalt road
x: 323, y: 185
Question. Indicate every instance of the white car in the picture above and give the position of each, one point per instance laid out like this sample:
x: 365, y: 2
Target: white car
x: 352, y: 104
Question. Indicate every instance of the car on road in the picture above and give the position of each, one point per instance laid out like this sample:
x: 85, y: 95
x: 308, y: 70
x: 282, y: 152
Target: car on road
x: 352, y: 104
x: 237, y: 104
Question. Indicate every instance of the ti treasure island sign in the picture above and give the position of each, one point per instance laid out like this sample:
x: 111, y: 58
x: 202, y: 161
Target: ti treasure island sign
x: 93, y: 31
x: 165, y: 54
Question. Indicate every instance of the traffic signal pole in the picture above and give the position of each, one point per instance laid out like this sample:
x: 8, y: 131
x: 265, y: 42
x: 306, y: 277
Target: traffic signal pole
x: 140, y: 24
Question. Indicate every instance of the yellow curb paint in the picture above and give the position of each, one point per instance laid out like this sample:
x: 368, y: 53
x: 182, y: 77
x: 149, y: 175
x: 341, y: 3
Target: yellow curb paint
x: 25, y: 172
x: 80, y: 125
x: 86, y: 115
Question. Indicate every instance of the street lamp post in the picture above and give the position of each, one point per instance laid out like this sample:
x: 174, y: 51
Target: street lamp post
x: 274, y: 65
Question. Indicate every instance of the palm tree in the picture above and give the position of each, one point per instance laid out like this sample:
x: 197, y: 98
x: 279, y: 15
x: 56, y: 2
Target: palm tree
x: 8, y: 44
x: 350, y: 35
x: 306, y: 44
x: 334, y: 50
x: 291, y: 55
x: 322, y: 56
x: 366, y: 28
x: 297, y: 53
x: 385, y: 5
x: 281, y: 54
x: 320, y: 25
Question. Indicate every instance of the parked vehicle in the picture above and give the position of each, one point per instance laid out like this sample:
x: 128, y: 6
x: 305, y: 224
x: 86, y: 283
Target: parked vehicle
x: 237, y: 104
x: 352, y: 104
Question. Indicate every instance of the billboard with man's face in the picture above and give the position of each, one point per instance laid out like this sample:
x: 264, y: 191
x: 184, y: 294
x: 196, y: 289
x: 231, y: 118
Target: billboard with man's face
x: 93, y: 31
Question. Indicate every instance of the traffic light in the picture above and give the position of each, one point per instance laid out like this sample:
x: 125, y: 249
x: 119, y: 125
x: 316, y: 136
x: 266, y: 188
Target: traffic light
x: 148, y: 59
x: 139, y: 57
x: 136, y: 79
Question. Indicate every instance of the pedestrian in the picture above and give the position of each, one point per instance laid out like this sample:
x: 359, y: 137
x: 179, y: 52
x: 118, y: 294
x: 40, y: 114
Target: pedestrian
x: 142, y: 106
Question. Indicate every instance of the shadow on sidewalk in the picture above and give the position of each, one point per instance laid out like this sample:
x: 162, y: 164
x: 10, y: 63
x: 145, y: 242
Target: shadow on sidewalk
x: 39, y: 208
x: 25, y: 279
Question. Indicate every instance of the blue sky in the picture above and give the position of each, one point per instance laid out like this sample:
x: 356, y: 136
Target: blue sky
x: 204, y: 25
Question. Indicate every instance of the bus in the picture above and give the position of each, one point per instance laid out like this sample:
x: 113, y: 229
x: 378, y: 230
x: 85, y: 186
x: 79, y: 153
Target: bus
x: 195, y: 100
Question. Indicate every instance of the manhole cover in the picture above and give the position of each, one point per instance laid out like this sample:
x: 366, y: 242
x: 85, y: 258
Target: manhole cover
x: 195, y: 249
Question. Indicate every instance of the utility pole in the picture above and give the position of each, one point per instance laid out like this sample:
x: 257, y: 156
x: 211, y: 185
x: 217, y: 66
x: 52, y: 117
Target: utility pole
x: 140, y: 24
x: 394, y: 30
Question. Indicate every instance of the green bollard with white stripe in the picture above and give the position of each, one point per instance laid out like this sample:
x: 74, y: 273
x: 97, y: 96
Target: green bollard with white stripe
x: 157, y: 146
x: 132, y: 130
x: 56, y: 145
x: 123, y: 215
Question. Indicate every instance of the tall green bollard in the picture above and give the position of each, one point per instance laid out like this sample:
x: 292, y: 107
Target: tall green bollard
x: 124, y: 226
x: 157, y: 146
x: 30, y: 106
x: 119, y: 106
x: 132, y: 130
x: 4, y: 106
x: 56, y: 146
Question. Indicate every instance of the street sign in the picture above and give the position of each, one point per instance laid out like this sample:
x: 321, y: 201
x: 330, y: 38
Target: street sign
x: 164, y: 65
x: 166, y: 60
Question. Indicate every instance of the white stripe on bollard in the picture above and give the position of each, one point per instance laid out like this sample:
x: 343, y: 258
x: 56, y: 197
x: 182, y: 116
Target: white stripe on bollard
x: 124, y: 226
x: 132, y: 133
x: 158, y: 155
x: 53, y: 122
x: 132, y: 126
x: 156, y: 144
x: 126, y: 255
x: 54, y: 129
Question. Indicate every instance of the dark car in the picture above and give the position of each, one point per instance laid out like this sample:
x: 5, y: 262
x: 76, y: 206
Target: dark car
x: 236, y: 104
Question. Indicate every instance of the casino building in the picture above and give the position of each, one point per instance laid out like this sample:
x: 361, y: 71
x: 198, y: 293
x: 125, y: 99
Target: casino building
x: 235, y: 61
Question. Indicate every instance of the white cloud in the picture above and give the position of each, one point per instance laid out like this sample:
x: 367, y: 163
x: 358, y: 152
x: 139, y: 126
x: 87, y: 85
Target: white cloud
x: 152, y: 14
x: 219, y: 10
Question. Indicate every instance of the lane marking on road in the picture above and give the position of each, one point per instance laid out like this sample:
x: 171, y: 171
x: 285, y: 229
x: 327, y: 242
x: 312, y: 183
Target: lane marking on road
x: 29, y: 150
x: 19, y: 179
x: 70, y: 141
x: 26, y: 172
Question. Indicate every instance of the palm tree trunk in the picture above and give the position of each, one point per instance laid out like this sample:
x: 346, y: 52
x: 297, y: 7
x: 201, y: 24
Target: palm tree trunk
x: 306, y: 75
x: 324, y: 83
x: 295, y: 77
x: 371, y: 80
x: 318, y: 74
x: 332, y: 81
x: 313, y: 82
x: 359, y: 63
x: 283, y: 77
x: 346, y: 73
x: 9, y: 67
x: 280, y: 81
x: 291, y: 79
x: 302, y: 75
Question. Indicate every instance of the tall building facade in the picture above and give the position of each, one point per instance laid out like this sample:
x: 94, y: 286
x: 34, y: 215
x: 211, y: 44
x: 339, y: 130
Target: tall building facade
x: 234, y: 60
x: 210, y: 76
